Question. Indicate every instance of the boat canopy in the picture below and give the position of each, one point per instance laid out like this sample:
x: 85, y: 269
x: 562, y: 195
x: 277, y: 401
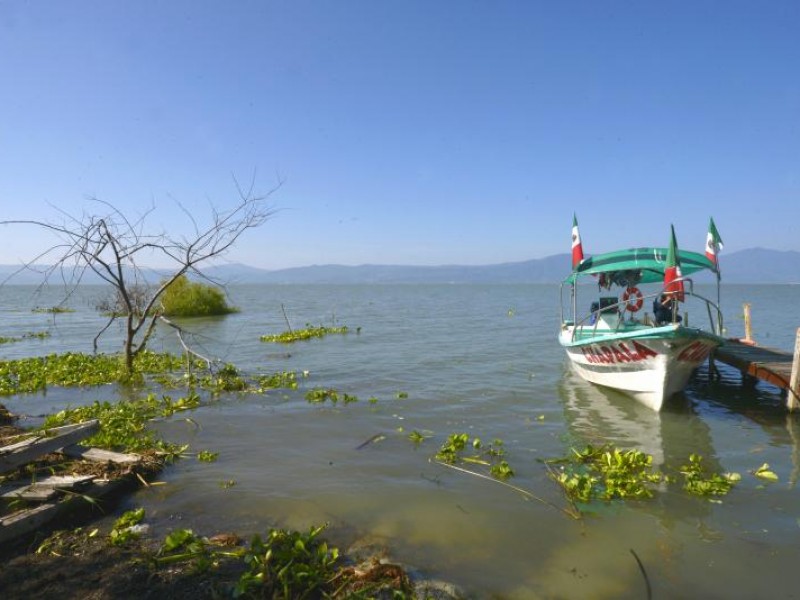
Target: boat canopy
x: 637, y: 265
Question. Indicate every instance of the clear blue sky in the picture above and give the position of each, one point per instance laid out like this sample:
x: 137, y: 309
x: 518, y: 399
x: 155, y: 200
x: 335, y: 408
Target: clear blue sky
x: 413, y: 132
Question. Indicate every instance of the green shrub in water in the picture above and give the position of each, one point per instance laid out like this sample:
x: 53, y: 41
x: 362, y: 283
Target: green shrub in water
x: 184, y: 298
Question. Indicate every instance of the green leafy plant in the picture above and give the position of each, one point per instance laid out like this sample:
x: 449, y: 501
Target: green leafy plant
x: 296, y: 335
x: 30, y: 335
x: 322, y: 395
x: 452, y: 447
x: 66, y: 541
x: 185, y: 298
x: 416, y: 437
x: 288, y: 565
x: 501, y: 471
x: 53, y: 309
x: 452, y: 451
x: 207, y: 456
x: 698, y: 482
x: 182, y: 545
x: 764, y: 472
x: 123, y: 425
x: 124, y: 529
x: 281, y: 379
x: 226, y: 379
x: 606, y: 472
x: 27, y: 375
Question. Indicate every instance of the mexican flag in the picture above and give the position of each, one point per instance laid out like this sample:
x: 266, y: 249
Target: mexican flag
x: 672, y: 272
x: 577, y: 247
x: 713, y: 243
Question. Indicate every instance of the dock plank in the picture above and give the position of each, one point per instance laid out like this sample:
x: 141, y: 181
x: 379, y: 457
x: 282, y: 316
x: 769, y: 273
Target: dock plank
x: 768, y: 364
x: 21, y: 453
x: 27, y: 521
x: 100, y: 455
x: 45, y: 488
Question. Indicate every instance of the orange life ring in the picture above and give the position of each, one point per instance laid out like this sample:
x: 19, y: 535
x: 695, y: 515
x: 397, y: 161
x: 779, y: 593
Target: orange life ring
x: 632, y: 298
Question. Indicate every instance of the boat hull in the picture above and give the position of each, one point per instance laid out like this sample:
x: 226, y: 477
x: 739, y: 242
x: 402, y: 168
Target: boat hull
x: 651, y: 366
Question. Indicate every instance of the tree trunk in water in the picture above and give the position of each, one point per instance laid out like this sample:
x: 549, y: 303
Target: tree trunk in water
x: 129, y: 347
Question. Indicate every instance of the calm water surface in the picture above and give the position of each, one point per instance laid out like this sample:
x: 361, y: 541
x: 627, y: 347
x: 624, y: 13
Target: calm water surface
x: 477, y: 359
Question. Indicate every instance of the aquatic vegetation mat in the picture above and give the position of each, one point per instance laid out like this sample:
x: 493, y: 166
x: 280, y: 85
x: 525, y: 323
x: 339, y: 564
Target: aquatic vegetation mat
x: 297, y: 335
x: 123, y: 425
x: 609, y: 473
x: 26, y: 375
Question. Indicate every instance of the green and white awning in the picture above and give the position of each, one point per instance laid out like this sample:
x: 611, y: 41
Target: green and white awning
x: 638, y: 265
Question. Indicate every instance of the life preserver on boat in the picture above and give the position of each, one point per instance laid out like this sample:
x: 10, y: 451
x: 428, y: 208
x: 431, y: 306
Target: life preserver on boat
x: 632, y: 298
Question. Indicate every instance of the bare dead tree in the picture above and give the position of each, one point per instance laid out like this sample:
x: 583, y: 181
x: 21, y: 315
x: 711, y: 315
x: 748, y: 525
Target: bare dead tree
x: 115, y: 248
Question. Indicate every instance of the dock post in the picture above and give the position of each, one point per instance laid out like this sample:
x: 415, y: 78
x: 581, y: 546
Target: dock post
x: 793, y: 393
x: 748, y: 327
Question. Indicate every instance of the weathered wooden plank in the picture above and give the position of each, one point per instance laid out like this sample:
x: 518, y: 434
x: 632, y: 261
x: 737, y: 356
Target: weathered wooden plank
x: 16, y: 455
x: 45, y: 488
x: 31, y: 494
x: 99, y: 455
x: 27, y: 521
x: 768, y: 364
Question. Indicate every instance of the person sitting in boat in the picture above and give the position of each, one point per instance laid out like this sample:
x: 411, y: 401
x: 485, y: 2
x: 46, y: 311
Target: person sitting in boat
x: 662, y: 309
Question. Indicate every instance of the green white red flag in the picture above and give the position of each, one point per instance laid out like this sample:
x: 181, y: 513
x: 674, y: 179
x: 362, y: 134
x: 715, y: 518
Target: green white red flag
x: 673, y: 284
x: 577, y: 246
x: 713, y: 243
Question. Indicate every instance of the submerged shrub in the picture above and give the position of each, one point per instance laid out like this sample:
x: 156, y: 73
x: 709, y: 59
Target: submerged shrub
x: 184, y: 298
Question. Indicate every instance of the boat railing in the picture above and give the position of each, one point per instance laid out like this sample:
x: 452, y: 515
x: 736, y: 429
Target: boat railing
x: 594, y: 317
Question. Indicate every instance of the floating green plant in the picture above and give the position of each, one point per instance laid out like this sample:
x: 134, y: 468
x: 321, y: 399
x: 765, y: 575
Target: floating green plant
x: 76, y: 369
x: 226, y: 379
x: 322, y: 395
x: 296, y: 335
x: 207, y: 456
x: 698, y: 482
x: 453, y: 450
x: 281, y: 379
x: 416, y: 437
x: 30, y: 335
x: 764, y: 472
x: 606, y: 472
x: 53, y: 310
x: 123, y: 425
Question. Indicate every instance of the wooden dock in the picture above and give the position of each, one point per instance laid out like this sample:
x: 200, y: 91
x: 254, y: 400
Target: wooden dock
x: 777, y: 367
x: 28, y: 503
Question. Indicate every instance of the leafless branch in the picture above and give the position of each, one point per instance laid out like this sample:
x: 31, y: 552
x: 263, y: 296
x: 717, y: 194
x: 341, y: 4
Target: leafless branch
x: 110, y: 245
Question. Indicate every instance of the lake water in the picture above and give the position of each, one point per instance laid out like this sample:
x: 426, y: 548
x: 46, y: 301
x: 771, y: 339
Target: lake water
x: 483, y: 360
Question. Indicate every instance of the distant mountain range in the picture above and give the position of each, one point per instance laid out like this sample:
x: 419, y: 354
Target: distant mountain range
x: 755, y: 265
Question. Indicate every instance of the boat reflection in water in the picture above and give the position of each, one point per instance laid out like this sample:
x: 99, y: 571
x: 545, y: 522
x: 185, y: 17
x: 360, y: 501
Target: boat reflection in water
x: 664, y: 532
x: 597, y: 415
